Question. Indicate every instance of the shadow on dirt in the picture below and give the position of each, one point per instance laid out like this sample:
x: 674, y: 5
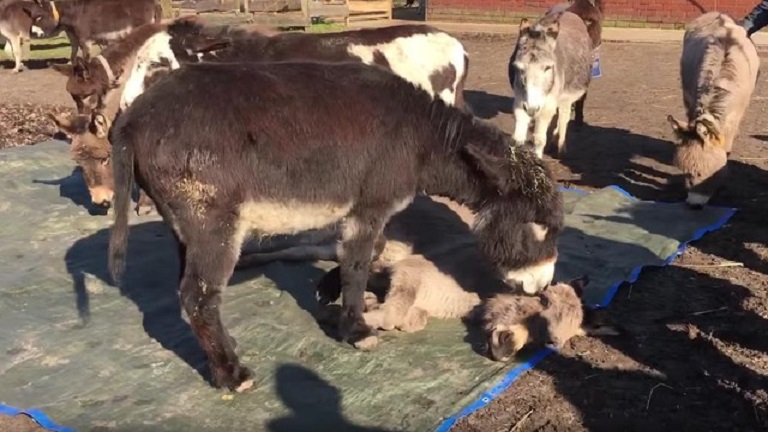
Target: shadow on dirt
x: 313, y: 403
x: 487, y: 105
x: 33, y: 64
x: 603, y: 156
x: 688, y: 326
x: 672, y: 322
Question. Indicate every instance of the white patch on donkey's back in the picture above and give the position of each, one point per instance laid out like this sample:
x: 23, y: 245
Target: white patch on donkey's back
x: 154, y: 50
x: 416, y: 57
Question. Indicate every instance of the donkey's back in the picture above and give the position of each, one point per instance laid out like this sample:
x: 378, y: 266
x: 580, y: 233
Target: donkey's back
x: 573, y: 52
x: 718, y: 67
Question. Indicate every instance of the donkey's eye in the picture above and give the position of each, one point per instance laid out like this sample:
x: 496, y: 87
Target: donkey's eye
x: 547, y: 68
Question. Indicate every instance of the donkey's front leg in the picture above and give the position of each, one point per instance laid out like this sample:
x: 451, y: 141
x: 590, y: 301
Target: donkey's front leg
x: 522, y: 122
x: 543, y: 120
x: 357, y: 244
x: 563, y: 118
x: 17, y: 46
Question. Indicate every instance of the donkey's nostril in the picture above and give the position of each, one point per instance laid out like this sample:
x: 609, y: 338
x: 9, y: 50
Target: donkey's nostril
x: 104, y: 204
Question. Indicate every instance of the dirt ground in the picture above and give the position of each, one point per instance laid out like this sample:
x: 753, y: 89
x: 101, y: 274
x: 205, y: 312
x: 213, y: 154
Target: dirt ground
x: 696, y: 354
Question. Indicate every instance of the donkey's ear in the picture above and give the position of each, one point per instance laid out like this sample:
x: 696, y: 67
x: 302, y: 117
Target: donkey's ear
x: 524, y: 24
x: 70, y: 125
x: 64, y: 69
x: 553, y: 28
x: 33, y: 11
x: 503, y: 344
x: 579, y: 284
x: 62, y: 121
x: 678, y: 127
x: 80, y: 69
x: 493, y: 167
x: 100, y: 125
x: 706, y: 129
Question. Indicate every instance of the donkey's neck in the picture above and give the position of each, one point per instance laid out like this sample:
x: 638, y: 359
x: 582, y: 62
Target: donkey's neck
x: 449, y: 172
x: 121, y: 54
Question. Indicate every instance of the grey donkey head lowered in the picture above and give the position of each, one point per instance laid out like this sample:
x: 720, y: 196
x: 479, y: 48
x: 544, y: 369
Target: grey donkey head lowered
x: 92, y: 151
x: 702, y: 157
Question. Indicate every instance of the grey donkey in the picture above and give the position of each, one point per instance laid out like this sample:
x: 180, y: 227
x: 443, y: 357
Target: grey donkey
x: 18, y: 21
x: 719, y: 67
x: 550, y: 70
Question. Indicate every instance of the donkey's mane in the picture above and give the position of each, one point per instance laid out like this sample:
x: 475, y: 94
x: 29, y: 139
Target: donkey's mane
x: 526, y: 173
x: 717, y: 64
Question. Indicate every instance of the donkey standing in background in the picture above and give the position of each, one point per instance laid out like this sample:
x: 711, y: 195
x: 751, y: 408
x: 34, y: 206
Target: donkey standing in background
x: 18, y: 21
x: 110, y: 82
x: 591, y: 12
x: 719, y: 67
x: 88, y: 22
x: 552, y: 69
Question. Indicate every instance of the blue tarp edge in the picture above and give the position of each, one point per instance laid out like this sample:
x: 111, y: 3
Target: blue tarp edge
x: 512, y: 375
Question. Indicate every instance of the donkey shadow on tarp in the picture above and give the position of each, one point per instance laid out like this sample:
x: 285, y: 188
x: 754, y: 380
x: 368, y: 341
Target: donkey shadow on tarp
x: 73, y: 188
x: 152, y: 276
x: 151, y: 281
x: 314, y: 403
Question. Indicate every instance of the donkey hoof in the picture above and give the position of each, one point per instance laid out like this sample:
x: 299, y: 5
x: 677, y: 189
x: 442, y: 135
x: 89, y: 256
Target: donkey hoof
x: 145, y: 210
x: 15, y: 71
x: 354, y: 330
x: 236, y: 378
x: 368, y: 343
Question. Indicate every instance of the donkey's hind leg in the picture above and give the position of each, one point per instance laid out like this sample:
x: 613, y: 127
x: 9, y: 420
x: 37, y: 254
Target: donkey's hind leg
x: 209, y: 260
x: 403, y: 288
x: 415, y: 320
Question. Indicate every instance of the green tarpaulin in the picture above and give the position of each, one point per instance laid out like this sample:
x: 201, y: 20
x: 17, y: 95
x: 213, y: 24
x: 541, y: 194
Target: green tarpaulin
x: 133, y: 366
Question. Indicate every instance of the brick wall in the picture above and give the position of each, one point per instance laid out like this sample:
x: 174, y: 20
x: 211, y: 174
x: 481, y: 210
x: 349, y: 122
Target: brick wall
x: 621, y: 13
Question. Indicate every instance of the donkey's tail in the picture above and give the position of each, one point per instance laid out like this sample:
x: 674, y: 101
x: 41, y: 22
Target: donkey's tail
x: 123, y: 157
